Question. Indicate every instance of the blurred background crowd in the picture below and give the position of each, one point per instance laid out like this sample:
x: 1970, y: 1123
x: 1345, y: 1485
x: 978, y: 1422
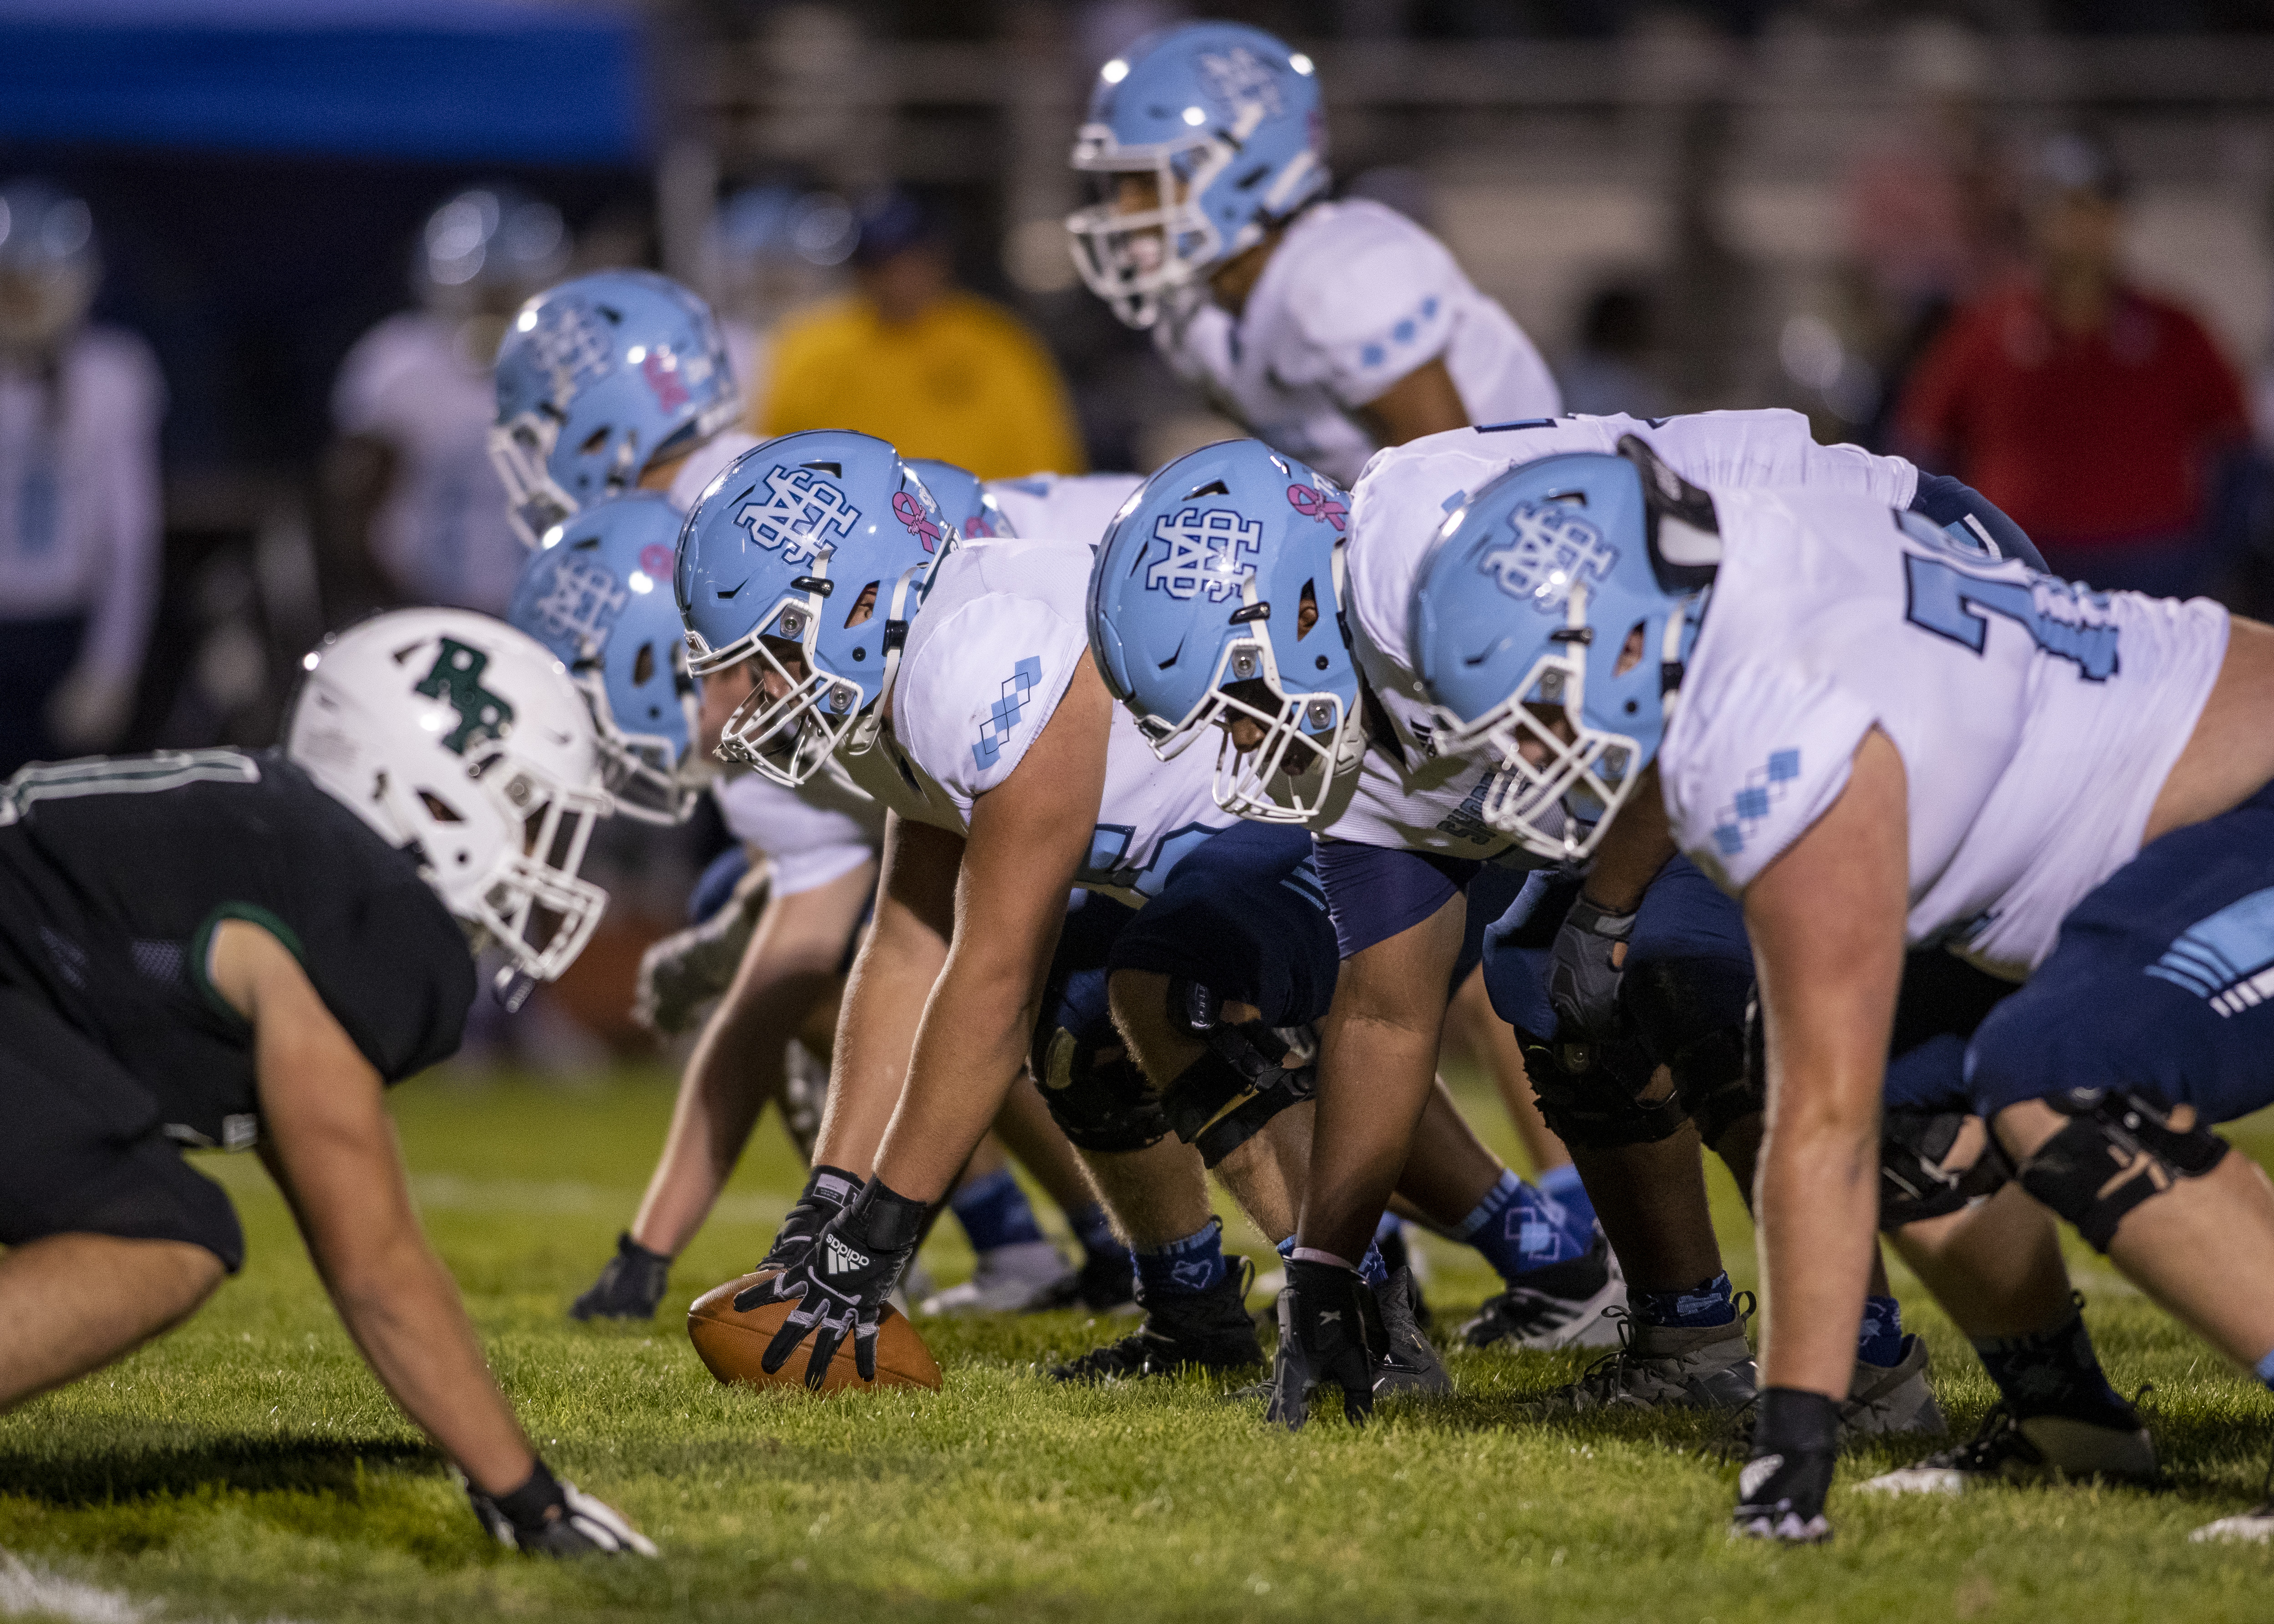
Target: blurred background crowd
x: 256, y: 256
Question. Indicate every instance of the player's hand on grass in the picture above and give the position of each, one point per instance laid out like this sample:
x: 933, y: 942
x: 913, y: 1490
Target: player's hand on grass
x: 631, y: 1285
x: 1328, y: 1332
x: 840, y: 1283
x: 1781, y: 1490
x: 1589, y: 961
x: 553, y: 1518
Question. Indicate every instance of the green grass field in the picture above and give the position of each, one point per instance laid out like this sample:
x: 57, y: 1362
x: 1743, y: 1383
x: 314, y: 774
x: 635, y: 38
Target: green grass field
x: 248, y: 1467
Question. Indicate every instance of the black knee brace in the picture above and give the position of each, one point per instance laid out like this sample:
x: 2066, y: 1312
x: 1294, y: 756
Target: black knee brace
x: 1096, y: 1093
x: 1925, y: 1173
x: 2117, y: 1150
x: 1592, y: 1094
x: 1224, y: 1098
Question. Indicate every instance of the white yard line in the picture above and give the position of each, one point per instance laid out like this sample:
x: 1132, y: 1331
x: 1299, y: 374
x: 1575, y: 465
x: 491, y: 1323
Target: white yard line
x: 25, y: 1589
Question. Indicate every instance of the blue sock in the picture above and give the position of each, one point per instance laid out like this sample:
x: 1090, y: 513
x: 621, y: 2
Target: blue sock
x: 1371, y: 1268
x: 1094, y: 1231
x: 2053, y: 1373
x: 1520, y: 1227
x: 994, y: 1212
x: 1880, y: 1340
x: 1193, y: 1265
x: 1563, y: 1184
x: 2266, y: 1370
x: 1706, y: 1303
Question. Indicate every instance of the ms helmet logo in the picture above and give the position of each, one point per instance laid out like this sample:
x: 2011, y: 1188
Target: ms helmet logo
x: 582, y: 602
x: 1203, y: 552
x: 572, y: 346
x: 800, y: 514
x: 457, y: 679
x: 1554, y: 547
x: 1238, y: 77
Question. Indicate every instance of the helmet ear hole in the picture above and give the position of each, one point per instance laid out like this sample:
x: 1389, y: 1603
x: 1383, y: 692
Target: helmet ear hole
x: 593, y: 441
x: 863, y: 606
x: 1306, y: 613
x: 441, y: 810
x: 644, y: 666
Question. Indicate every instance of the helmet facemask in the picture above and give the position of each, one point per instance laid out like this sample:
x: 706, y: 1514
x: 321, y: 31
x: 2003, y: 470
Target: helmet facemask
x: 788, y: 738
x: 1132, y: 258
x: 521, y: 452
x: 652, y: 779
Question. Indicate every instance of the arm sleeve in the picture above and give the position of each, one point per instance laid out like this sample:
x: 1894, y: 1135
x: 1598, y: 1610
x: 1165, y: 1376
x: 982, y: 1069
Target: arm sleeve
x: 976, y: 696
x: 133, y: 532
x: 1750, y: 769
x: 1369, y: 318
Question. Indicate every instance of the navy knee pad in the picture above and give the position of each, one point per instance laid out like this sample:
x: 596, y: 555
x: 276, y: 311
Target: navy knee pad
x: 1096, y: 1093
x: 1691, y: 1015
x: 1591, y: 1094
x: 1927, y: 1171
x: 2117, y: 1151
x: 1224, y: 1098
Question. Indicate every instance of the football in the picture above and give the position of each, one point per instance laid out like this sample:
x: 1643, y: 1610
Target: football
x: 731, y: 1343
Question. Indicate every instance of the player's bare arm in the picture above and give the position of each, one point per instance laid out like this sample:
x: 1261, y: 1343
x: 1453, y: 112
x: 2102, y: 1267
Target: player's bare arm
x: 1029, y: 838
x: 1424, y: 402
x: 332, y: 1149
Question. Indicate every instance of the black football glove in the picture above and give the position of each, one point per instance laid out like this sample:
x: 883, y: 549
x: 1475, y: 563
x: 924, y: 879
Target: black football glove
x: 1583, y: 981
x: 1780, y: 1490
x: 840, y: 1283
x: 828, y: 1191
x: 630, y: 1287
x: 551, y: 1518
x: 1329, y: 1331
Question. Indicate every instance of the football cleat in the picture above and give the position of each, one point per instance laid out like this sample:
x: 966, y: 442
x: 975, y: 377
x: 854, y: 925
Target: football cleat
x: 2257, y: 1523
x: 1892, y: 1398
x: 1572, y: 1304
x: 630, y: 1287
x: 1017, y: 1279
x: 1106, y: 1283
x: 1409, y: 1366
x: 2038, y: 1449
x: 1182, y: 1330
x: 1696, y: 1367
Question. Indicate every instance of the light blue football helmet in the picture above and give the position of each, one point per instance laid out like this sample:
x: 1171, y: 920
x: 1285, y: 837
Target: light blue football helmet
x: 1226, y: 122
x: 1216, y: 598
x: 809, y: 554
x: 596, y: 380
x: 47, y: 257
x: 596, y: 594
x: 1550, y: 624
x: 969, y: 505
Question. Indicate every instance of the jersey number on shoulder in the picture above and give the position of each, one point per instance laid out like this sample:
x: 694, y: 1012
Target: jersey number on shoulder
x: 1952, y: 603
x: 132, y: 775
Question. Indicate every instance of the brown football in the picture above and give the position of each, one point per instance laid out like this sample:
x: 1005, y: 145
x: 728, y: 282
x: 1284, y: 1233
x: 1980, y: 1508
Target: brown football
x: 731, y: 1343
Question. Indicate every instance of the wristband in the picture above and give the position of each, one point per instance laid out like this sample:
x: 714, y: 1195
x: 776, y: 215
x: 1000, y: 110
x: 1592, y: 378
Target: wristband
x: 882, y: 1220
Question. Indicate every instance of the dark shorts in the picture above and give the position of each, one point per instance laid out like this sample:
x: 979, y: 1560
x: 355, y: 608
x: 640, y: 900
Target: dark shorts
x: 1243, y: 915
x: 86, y: 1155
x: 1943, y: 1003
x: 1374, y: 893
x: 2161, y: 982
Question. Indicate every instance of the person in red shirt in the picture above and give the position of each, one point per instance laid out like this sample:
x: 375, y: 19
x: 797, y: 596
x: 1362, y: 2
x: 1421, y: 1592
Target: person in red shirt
x: 2093, y: 413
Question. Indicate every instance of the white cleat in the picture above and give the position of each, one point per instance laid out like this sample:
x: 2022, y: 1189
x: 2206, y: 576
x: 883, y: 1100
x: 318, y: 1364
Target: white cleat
x: 1009, y: 1279
x: 1525, y: 1316
x: 2257, y: 1523
x: 2041, y: 1449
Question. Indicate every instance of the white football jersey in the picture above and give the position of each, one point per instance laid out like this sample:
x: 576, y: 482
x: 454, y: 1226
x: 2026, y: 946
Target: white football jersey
x: 1408, y: 796
x: 1000, y: 635
x: 705, y: 463
x: 79, y: 526
x: 1077, y: 506
x: 1354, y: 297
x: 2037, y: 720
x: 826, y: 827
x: 441, y: 534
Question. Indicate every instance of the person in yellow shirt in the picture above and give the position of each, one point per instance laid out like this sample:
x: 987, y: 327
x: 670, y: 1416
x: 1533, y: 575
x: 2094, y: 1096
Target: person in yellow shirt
x: 912, y: 360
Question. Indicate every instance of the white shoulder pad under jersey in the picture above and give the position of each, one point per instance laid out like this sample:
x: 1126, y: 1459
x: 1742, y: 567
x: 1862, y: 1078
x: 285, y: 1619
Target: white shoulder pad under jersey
x: 2037, y: 720
x: 1063, y: 506
x: 705, y: 463
x: 826, y: 827
x: 1408, y: 798
x: 988, y: 656
x: 1355, y: 296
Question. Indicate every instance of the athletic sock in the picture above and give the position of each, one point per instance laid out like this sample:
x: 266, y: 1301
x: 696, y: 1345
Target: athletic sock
x: 1193, y: 1265
x: 2265, y: 1368
x: 1563, y: 1184
x: 1880, y: 1339
x: 2053, y: 1373
x: 1371, y: 1268
x: 1094, y: 1228
x: 1706, y: 1303
x: 994, y: 1212
x: 1519, y: 1228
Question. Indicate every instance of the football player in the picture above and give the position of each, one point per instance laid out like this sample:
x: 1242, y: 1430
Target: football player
x: 1644, y: 997
x: 1327, y: 328
x: 981, y: 722
x: 1878, y: 737
x: 244, y: 951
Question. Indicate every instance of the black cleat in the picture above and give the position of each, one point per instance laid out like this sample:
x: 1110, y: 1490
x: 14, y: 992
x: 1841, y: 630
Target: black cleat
x: 1200, y: 1330
x: 1105, y: 1281
x: 630, y: 1287
x: 1409, y: 1366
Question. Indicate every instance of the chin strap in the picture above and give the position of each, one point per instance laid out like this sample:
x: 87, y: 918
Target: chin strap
x: 862, y: 738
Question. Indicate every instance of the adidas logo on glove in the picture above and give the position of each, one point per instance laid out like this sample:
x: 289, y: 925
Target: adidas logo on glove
x: 841, y: 1258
